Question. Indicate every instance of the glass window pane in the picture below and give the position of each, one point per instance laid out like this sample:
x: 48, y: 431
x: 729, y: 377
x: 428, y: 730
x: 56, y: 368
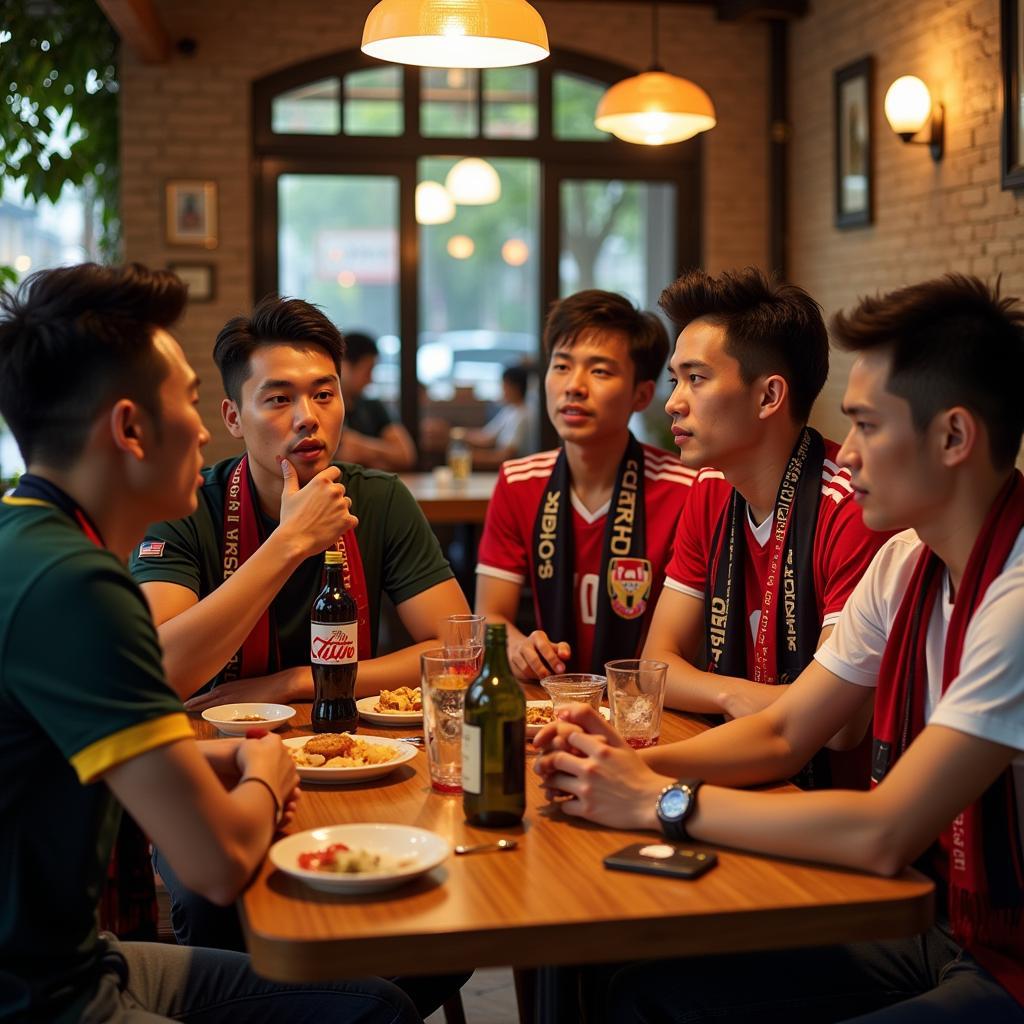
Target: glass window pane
x: 310, y: 109
x: 510, y: 103
x: 338, y: 247
x: 575, y: 100
x: 448, y: 107
x: 620, y: 236
x: 479, y: 298
x: 373, y: 102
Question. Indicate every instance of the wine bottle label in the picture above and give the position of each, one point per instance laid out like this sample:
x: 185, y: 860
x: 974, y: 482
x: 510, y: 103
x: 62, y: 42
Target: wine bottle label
x: 471, y: 772
x: 333, y: 643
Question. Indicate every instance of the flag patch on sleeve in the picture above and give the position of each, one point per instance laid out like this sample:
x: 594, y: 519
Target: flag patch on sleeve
x: 152, y: 549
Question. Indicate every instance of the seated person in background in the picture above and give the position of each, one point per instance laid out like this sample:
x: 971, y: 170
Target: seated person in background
x: 504, y: 436
x: 588, y: 526
x: 749, y: 362
x: 231, y: 596
x: 102, y: 403
x: 932, y: 638
x: 370, y: 437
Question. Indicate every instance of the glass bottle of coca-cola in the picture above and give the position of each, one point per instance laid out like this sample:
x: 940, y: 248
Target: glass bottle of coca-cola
x: 334, y: 651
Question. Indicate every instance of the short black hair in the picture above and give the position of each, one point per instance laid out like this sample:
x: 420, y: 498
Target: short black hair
x: 952, y: 341
x: 274, y: 321
x: 518, y: 377
x: 358, y: 346
x: 770, y: 327
x: 592, y: 308
x: 74, y: 340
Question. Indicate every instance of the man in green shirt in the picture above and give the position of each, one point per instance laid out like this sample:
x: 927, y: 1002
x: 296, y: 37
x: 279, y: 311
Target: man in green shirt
x: 231, y: 585
x: 102, y: 403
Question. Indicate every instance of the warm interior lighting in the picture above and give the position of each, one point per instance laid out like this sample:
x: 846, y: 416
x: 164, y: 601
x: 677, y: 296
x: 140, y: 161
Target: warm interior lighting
x: 654, y: 109
x: 515, y: 252
x: 473, y: 182
x: 460, y: 247
x: 455, y: 33
x: 433, y: 204
x: 908, y: 105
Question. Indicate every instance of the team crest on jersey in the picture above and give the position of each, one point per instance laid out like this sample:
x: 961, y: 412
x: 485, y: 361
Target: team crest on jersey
x: 629, y: 586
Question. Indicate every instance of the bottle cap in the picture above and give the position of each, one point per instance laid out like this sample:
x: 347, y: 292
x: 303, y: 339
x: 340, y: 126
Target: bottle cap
x: 457, y: 433
x: 334, y: 557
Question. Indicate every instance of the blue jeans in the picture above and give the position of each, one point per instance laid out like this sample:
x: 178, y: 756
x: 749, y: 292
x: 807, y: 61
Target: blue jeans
x: 921, y: 980
x: 150, y: 982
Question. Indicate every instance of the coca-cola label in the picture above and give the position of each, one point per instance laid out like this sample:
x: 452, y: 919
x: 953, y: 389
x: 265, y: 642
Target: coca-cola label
x: 333, y: 643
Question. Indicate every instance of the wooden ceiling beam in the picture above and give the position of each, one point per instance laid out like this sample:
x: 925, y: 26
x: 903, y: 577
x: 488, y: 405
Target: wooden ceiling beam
x: 138, y: 25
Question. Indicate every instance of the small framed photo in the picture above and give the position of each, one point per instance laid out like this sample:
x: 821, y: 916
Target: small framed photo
x: 192, y: 213
x: 1012, y: 16
x: 199, y: 279
x: 852, y: 86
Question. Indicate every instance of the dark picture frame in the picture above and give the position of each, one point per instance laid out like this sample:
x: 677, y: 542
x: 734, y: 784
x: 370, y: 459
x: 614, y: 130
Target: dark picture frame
x: 1012, y: 21
x: 199, y: 277
x: 853, y: 87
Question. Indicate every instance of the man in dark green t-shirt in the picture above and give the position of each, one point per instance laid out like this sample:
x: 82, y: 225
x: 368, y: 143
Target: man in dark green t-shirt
x: 101, y: 401
x: 234, y: 612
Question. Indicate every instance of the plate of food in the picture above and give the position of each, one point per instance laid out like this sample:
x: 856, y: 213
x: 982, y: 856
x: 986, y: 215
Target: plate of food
x: 342, y: 757
x: 238, y: 719
x: 361, y: 858
x: 403, y: 706
x: 540, y: 712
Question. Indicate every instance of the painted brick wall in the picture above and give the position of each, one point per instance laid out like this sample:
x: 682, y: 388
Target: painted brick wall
x: 929, y: 218
x: 190, y: 118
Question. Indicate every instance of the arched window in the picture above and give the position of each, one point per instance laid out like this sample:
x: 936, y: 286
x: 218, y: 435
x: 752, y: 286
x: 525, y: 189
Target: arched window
x: 341, y: 144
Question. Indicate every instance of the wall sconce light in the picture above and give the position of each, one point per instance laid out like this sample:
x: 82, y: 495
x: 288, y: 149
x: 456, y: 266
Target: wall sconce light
x: 909, y: 108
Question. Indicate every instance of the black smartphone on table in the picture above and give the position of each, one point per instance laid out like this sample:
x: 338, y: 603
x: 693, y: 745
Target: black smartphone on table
x: 662, y: 859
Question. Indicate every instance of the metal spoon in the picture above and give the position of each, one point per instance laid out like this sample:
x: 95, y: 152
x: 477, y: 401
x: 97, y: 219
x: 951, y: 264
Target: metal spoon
x: 501, y: 844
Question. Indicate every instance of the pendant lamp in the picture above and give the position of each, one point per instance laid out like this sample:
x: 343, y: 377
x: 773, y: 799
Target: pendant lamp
x: 473, y: 182
x: 433, y: 204
x: 456, y: 33
x: 655, y: 108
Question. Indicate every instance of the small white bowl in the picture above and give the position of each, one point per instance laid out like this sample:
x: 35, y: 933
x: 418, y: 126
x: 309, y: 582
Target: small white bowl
x: 225, y: 717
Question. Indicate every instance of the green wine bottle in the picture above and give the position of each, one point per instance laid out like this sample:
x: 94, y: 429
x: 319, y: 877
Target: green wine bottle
x: 494, y: 741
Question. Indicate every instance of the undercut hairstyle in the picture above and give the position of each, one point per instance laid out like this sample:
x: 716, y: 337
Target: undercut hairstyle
x: 593, y: 309
x: 770, y: 327
x: 75, y: 340
x: 358, y: 346
x: 951, y: 341
x: 518, y: 378
x: 274, y: 321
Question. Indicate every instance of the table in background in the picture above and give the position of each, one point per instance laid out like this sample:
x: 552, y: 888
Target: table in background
x: 551, y: 901
x: 454, y: 503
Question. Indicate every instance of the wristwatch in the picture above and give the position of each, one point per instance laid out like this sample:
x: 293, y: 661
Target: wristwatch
x: 675, y: 805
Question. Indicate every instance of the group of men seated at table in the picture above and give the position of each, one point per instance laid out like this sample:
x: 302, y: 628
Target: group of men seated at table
x: 852, y: 610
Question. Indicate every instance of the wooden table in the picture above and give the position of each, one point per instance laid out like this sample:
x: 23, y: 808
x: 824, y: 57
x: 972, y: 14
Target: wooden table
x: 551, y: 901
x: 454, y: 503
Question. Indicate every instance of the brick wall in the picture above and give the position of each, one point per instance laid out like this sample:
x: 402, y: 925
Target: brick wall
x: 190, y: 118
x: 929, y: 218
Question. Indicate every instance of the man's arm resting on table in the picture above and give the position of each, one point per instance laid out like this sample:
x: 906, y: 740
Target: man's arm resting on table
x: 393, y: 450
x: 214, y: 839
x: 530, y: 657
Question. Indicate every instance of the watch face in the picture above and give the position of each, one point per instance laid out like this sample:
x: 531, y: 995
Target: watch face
x: 674, y: 803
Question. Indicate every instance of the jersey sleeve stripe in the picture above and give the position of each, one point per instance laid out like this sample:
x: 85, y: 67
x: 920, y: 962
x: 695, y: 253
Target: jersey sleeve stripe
x: 543, y: 472
x: 671, y: 584
x: 685, y: 481
x: 500, y: 574
x: 99, y: 757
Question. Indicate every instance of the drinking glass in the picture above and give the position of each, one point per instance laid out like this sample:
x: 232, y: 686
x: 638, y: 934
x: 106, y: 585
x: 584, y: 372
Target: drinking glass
x: 574, y: 687
x: 445, y: 675
x: 636, y: 693
x: 465, y: 631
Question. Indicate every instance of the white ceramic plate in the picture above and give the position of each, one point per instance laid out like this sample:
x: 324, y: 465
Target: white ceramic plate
x: 366, y: 706
x: 424, y: 850
x: 224, y: 717
x: 403, y: 752
x: 532, y: 730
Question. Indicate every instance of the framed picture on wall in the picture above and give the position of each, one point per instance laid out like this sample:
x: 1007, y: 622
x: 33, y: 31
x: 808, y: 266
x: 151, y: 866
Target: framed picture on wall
x: 199, y: 279
x: 192, y: 213
x: 1012, y: 14
x: 852, y: 87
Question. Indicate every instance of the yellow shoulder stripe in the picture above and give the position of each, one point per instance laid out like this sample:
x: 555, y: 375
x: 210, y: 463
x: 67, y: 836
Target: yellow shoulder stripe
x: 137, y: 739
x: 9, y: 499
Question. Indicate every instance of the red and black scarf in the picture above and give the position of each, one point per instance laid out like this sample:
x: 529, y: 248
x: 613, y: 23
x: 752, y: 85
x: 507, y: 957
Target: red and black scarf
x: 242, y: 532
x: 626, y: 574
x: 790, y: 622
x: 127, y: 904
x: 985, y: 860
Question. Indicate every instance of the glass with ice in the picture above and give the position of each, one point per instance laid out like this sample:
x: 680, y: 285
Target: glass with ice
x: 636, y: 693
x: 445, y: 675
